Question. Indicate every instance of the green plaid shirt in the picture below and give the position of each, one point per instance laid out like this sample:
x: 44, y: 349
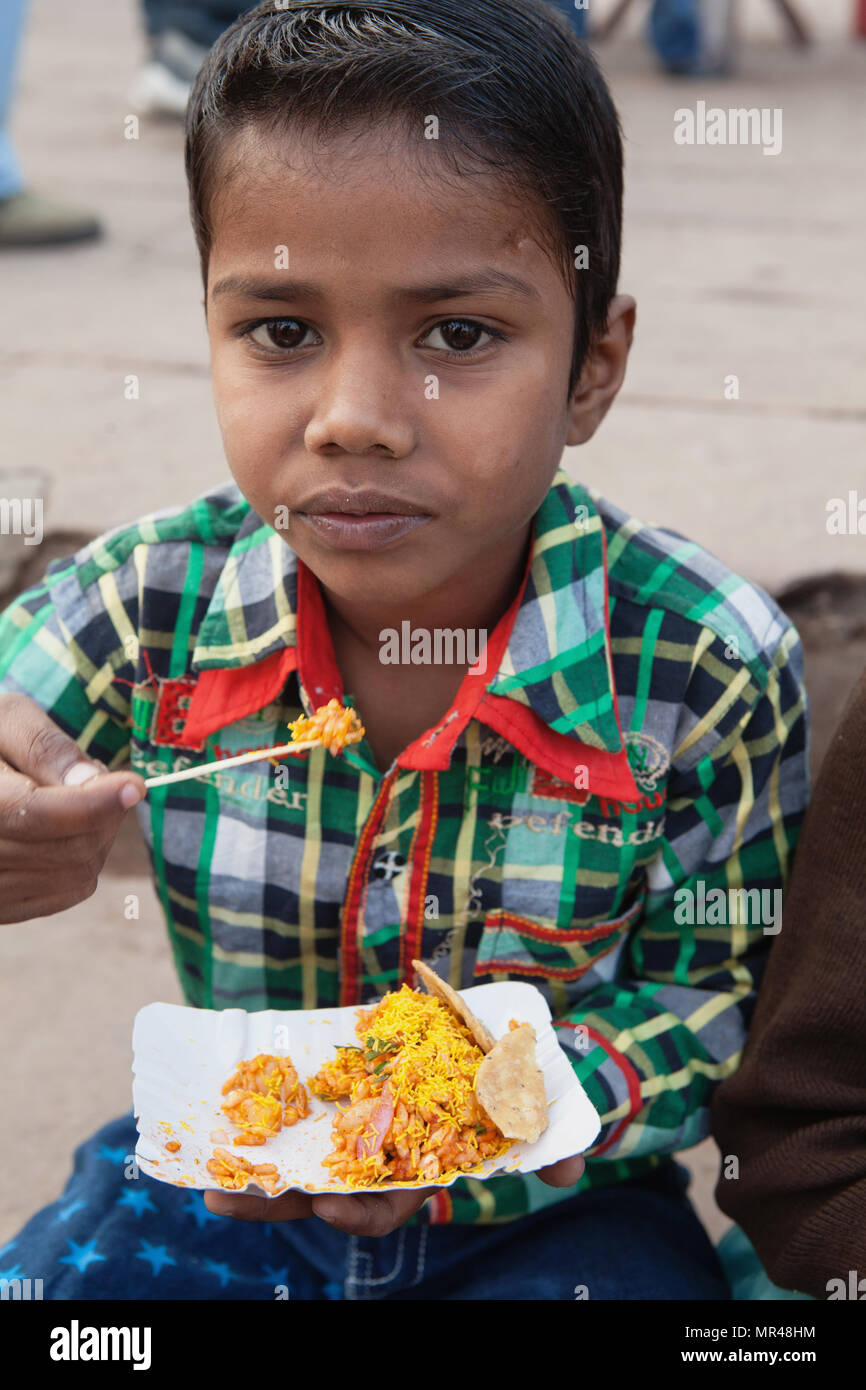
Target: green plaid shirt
x: 636, y: 743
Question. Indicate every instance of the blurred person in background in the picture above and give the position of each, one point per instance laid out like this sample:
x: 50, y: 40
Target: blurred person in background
x: 28, y: 217
x: 689, y: 37
x: 179, y: 34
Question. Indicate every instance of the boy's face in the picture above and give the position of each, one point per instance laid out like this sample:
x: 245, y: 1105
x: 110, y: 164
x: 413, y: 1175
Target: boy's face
x: 451, y: 405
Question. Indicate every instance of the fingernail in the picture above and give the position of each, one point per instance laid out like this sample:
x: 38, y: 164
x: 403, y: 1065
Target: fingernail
x: 78, y: 773
x: 130, y: 795
x: 326, y: 1211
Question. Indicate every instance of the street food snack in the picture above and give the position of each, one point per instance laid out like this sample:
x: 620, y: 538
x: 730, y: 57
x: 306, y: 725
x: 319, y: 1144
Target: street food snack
x: 509, y: 1082
x: 233, y: 1172
x: 333, y: 726
x: 436, y: 985
x: 510, y: 1085
x: 262, y: 1097
x: 414, y: 1114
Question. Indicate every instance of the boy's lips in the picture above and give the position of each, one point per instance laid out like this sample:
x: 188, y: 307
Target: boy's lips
x: 360, y: 520
x: 343, y: 531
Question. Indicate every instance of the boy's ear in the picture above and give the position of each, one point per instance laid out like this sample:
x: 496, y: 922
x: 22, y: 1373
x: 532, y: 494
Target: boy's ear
x: 603, y: 372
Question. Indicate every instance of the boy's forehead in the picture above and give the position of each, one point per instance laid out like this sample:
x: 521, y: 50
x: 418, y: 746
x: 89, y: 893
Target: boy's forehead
x: 369, y: 192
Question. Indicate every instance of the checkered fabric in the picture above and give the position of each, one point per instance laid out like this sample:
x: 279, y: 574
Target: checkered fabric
x: 633, y: 752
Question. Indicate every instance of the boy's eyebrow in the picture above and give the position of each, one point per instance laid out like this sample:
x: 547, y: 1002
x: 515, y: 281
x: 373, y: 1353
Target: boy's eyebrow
x: 456, y: 288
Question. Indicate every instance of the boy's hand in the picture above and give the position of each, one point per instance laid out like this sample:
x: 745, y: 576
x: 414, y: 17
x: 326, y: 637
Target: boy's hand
x: 56, y: 828
x: 367, y: 1214
x: 565, y: 1173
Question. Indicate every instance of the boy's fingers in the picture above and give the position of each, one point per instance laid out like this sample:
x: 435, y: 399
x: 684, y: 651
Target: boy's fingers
x: 370, y: 1214
x: 565, y: 1173
x: 291, y: 1206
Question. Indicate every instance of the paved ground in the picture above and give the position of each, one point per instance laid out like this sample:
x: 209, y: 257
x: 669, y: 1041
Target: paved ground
x: 742, y: 264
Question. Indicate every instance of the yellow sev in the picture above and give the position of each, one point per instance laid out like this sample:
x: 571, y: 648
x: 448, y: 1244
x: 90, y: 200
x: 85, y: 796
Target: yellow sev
x: 333, y: 725
x: 423, y: 1058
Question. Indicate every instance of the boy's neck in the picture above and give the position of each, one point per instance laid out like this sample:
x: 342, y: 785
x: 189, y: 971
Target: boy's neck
x: 468, y: 602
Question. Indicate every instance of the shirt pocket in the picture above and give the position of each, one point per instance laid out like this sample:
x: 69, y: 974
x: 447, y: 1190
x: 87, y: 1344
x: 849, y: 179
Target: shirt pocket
x: 521, y: 948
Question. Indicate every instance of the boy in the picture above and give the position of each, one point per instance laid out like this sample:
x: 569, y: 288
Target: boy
x: 411, y: 301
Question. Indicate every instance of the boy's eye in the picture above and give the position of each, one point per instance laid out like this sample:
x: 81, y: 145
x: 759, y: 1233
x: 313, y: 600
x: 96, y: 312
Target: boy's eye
x: 461, y: 336
x: 283, y: 334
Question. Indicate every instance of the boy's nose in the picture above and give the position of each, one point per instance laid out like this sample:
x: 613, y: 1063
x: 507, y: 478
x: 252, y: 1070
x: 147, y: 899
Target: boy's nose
x: 363, y: 409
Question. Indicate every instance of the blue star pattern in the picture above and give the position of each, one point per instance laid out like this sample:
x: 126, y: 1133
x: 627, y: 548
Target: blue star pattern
x: 138, y: 1199
x: 66, y: 1212
x: 96, y: 1239
x: 222, y: 1271
x: 157, y: 1255
x: 112, y: 1155
x: 80, y: 1255
x: 197, y: 1209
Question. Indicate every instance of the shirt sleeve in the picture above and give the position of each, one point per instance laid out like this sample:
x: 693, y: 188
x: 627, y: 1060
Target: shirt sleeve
x: 70, y: 645
x: 651, y: 1046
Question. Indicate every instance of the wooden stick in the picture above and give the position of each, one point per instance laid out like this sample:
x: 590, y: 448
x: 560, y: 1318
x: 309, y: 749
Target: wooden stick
x: 257, y: 755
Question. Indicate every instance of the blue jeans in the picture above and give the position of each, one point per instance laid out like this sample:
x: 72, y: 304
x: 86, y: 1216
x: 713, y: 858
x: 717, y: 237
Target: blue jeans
x: 204, y: 20
x: 11, y: 26
x: 200, y: 20
x: 575, y: 15
x: 113, y: 1237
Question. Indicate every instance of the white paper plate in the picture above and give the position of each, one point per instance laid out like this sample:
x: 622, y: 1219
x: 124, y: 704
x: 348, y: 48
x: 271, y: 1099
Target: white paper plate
x: 183, y: 1056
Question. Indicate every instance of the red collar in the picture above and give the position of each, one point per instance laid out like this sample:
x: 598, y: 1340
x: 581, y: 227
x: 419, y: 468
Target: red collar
x: 223, y: 695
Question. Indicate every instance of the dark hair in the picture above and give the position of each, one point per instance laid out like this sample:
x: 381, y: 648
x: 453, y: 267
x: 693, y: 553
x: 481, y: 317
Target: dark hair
x: 513, y: 88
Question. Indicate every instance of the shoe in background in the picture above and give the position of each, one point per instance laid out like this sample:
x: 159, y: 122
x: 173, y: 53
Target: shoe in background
x: 163, y: 85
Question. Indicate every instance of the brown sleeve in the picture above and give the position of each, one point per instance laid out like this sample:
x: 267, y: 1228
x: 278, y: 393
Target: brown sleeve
x: 794, y: 1114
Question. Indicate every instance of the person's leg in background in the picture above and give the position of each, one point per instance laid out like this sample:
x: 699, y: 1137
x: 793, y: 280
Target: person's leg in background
x: 693, y: 37
x: 11, y: 25
x: 27, y: 218
x: 179, y: 34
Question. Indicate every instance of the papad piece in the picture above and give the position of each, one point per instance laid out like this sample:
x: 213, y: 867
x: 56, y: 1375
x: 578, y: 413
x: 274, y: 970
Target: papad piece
x: 436, y: 985
x: 510, y: 1086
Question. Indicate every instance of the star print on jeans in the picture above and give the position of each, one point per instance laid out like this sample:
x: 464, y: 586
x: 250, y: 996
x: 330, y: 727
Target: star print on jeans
x: 201, y: 1214
x: 73, y: 1207
x: 112, y: 1155
x: 223, y: 1272
x: 80, y: 1255
x: 156, y: 1255
x: 139, y: 1201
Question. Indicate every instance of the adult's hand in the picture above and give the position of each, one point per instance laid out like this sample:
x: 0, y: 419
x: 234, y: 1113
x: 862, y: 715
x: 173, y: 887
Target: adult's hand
x: 59, y: 813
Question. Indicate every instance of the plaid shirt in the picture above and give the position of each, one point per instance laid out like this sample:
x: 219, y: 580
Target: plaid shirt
x: 639, y: 729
